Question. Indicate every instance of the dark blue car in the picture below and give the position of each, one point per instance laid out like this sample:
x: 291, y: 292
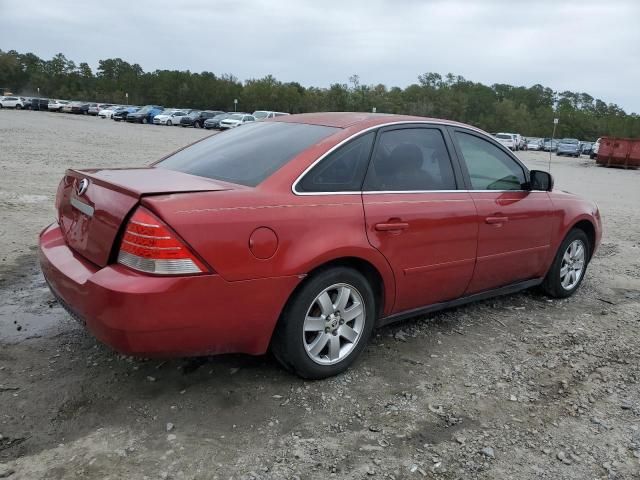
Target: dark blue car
x: 568, y: 146
x: 121, y: 113
x: 145, y: 114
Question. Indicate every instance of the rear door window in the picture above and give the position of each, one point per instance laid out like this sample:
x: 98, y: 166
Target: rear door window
x: 410, y: 159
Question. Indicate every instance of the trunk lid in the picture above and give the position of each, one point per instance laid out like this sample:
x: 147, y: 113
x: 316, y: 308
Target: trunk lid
x: 93, y: 204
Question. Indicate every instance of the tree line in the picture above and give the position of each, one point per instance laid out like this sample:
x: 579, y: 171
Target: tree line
x: 498, y: 107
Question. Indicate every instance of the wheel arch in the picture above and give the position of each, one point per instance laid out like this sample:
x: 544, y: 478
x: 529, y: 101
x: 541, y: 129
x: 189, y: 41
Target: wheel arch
x: 383, y: 292
x: 590, y: 231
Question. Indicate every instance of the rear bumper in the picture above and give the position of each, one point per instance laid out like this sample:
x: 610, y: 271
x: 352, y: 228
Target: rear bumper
x: 139, y: 314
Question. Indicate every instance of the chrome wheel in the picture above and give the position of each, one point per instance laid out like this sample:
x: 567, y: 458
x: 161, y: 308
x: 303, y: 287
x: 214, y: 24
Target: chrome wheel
x: 572, y: 266
x: 333, y: 324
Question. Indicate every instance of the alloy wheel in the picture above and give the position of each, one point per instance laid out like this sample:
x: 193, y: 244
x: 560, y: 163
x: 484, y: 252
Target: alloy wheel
x: 573, y: 263
x: 334, y: 324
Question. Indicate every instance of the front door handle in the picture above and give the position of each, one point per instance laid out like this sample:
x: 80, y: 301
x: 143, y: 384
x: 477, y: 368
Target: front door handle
x: 496, y: 220
x: 391, y: 226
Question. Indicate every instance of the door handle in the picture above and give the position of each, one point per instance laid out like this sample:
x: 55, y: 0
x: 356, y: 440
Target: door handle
x: 496, y: 220
x: 391, y: 227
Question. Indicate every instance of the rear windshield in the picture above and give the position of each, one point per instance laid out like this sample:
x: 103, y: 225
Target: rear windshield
x: 504, y: 136
x: 569, y: 140
x: 249, y: 154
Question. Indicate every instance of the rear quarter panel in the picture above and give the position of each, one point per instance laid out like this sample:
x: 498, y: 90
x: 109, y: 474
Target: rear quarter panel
x: 310, y: 231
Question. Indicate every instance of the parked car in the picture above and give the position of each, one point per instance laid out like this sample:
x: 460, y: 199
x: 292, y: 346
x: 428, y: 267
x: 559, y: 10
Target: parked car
x: 586, y: 148
x: 197, y: 119
x: 56, y: 105
x: 27, y: 102
x: 235, y: 120
x: 122, y: 113
x: 266, y: 114
x: 508, y: 140
x: 595, y: 149
x: 151, y: 260
x: 534, y: 144
x: 549, y: 145
x: 40, y: 104
x: 145, y: 114
x: 568, y: 146
x: 12, y: 102
x: 80, y: 108
x: 94, y: 108
x: 169, y: 117
x: 214, y: 122
x: 108, y: 112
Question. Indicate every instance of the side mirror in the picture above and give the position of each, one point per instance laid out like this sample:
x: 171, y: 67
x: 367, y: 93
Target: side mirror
x: 540, y: 180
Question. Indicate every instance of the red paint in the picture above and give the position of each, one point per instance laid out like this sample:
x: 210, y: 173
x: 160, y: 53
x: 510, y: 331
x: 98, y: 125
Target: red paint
x: 261, y: 242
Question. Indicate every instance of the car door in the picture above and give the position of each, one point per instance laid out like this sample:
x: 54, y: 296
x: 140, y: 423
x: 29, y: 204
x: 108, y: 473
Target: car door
x: 514, y: 223
x: 417, y: 217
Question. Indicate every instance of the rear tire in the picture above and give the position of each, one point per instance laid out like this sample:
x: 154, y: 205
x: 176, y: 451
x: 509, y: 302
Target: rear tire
x: 196, y: 124
x: 572, y: 256
x: 326, y: 324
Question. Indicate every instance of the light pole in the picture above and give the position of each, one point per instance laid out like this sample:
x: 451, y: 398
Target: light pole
x: 127, y: 97
x: 38, y: 92
x: 555, y: 124
x: 235, y: 104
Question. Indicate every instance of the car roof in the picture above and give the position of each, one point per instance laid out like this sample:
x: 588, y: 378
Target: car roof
x: 362, y: 119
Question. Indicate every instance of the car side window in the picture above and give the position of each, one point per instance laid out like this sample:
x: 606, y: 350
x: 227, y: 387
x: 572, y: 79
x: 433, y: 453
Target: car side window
x: 410, y: 159
x: 489, y: 167
x: 342, y: 170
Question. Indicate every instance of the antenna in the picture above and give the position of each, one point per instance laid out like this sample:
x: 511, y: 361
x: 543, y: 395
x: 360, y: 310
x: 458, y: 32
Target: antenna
x: 555, y: 124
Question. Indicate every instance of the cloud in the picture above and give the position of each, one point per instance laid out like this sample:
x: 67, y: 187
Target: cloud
x: 586, y: 46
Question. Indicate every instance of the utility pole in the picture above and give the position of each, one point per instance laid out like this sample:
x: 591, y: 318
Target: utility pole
x: 555, y: 124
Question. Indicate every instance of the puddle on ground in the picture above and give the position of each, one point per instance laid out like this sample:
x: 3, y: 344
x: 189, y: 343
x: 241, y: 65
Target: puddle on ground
x: 16, y: 325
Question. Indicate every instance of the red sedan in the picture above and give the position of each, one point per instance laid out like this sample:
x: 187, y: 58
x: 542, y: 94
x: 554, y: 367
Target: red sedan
x: 302, y: 234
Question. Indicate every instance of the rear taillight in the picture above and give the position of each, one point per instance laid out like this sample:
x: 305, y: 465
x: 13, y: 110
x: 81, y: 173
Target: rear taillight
x: 148, y: 245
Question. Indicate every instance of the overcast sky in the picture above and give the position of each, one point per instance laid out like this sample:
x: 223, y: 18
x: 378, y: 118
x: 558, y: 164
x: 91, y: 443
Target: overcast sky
x: 588, y: 46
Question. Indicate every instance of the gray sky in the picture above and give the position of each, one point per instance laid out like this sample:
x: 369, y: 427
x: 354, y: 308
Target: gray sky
x: 588, y: 46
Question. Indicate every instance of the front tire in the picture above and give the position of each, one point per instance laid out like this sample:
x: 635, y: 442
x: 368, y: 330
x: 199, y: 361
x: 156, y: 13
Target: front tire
x: 569, y: 266
x: 144, y: 120
x: 326, y: 324
x: 169, y: 123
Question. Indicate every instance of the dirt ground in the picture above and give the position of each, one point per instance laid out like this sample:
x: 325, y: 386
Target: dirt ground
x: 516, y: 387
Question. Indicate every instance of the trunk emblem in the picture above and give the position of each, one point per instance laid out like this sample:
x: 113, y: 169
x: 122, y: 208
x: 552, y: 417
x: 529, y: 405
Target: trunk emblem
x: 82, y: 186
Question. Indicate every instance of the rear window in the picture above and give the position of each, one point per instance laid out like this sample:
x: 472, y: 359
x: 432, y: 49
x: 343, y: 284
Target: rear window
x: 249, y: 154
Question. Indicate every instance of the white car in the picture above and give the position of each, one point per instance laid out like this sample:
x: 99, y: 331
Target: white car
x: 508, y: 140
x: 534, y: 144
x: 12, y: 102
x: 56, y: 105
x: 236, y: 120
x: 521, y: 144
x: 265, y: 114
x: 595, y: 149
x: 107, y: 112
x: 169, y: 117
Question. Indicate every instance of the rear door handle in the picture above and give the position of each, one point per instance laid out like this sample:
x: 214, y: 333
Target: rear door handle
x: 391, y: 227
x: 496, y: 220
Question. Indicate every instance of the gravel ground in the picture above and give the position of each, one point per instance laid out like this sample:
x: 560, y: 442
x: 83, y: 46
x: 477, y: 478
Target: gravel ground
x: 516, y: 387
